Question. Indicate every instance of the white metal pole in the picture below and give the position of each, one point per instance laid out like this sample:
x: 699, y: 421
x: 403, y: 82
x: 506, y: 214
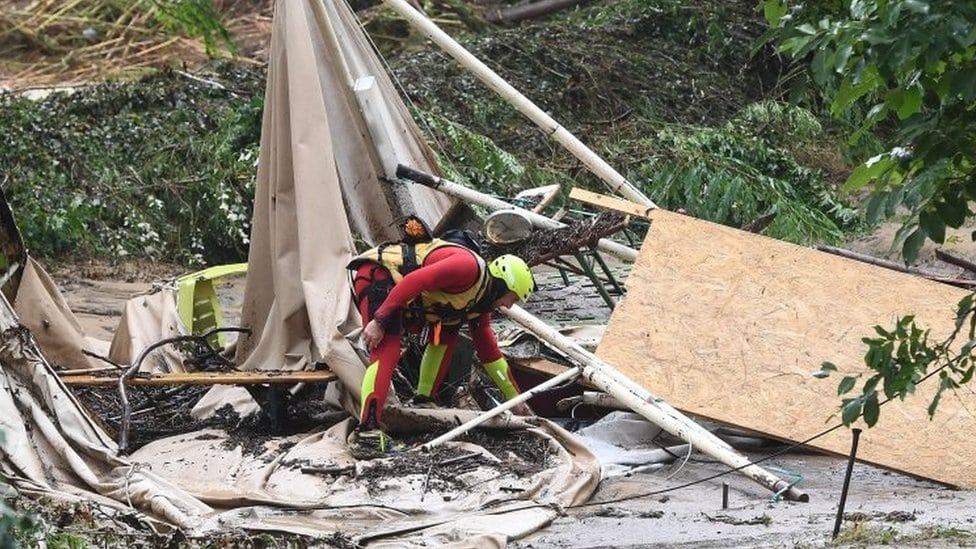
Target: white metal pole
x: 487, y: 201
x: 508, y: 404
x: 616, y: 182
x: 605, y: 377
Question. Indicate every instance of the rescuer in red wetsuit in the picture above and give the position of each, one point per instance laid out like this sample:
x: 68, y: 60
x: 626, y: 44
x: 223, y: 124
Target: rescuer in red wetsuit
x: 400, y: 286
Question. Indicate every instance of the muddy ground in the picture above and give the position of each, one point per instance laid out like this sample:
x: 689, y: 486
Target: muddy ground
x: 681, y: 505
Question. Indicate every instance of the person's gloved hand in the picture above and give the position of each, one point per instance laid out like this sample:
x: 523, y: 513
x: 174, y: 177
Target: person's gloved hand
x: 373, y: 334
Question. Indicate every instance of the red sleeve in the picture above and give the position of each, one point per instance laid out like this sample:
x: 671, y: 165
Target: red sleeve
x: 483, y: 339
x: 450, y: 269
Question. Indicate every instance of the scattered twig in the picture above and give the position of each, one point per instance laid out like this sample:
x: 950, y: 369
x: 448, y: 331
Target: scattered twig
x: 335, y: 471
x: 956, y: 260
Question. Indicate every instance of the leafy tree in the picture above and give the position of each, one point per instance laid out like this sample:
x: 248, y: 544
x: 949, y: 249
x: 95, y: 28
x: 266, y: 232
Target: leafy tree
x: 904, y: 72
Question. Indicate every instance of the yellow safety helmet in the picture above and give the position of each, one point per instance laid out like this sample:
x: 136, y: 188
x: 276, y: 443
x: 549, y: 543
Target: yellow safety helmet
x: 515, y: 273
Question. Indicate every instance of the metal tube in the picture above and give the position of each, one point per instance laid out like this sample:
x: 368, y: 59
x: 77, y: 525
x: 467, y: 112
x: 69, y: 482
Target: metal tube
x: 856, y: 434
x: 508, y: 404
x: 469, y: 195
x: 596, y: 165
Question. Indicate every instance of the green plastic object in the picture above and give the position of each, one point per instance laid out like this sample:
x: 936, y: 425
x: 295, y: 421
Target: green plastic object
x: 197, y: 303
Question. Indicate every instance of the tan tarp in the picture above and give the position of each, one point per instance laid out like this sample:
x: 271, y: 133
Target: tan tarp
x: 42, y: 310
x: 317, y: 180
x: 147, y: 319
x: 730, y: 325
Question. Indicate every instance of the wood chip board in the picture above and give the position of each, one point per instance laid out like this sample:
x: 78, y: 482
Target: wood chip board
x: 729, y: 325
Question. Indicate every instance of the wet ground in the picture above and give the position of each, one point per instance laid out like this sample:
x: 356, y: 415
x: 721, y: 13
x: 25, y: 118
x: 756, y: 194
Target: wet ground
x: 681, y: 505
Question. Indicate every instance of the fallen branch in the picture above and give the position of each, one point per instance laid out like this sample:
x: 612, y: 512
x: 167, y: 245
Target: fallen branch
x: 895, y: 266
x: 955, y: 260
x: 530, y: 11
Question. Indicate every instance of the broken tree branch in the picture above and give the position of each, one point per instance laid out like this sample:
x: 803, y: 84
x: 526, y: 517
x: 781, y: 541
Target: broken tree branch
x: 955, y: 260
x: 895, y: 266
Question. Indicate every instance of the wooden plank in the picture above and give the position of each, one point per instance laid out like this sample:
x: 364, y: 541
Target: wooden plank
x: 206, y: 378
x: 730, y: 326
x: 543, y: 367
x: 611, y: 203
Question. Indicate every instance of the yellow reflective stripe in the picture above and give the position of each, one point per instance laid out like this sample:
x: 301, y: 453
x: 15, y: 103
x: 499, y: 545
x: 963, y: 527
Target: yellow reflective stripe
x: 498, y: 372
x: 430, y: 365
x: 369, y: 385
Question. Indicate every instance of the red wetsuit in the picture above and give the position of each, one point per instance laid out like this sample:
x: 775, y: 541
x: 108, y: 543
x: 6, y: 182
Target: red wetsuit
x: 451, y: 269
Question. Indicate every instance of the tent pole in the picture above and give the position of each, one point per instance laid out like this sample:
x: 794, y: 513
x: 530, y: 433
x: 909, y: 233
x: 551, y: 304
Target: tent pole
x: 472, y: 196
x: 603, y: 376
x: 615, y: 182
x: 564, y: 377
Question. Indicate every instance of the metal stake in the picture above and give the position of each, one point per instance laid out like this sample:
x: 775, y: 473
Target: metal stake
x: 856, y: 433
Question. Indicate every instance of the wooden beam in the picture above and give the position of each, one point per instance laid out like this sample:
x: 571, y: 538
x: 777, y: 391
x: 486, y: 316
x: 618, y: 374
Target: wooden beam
x: 611, y: 203
x: 205, y: 378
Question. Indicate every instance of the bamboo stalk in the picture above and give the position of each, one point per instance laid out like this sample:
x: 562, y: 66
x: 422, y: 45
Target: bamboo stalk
x: 596, y: 165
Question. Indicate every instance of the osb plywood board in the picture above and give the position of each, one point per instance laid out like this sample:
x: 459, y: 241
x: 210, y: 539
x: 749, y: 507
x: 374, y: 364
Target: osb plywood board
x: 730, y: 325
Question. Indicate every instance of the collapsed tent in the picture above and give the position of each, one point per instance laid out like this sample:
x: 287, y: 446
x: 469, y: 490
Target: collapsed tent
x: 319, y: 182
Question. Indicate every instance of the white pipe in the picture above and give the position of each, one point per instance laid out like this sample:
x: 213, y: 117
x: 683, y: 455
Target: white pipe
x: 508, y: 404
x: 487, y: 201
x: 603, y: 376
x: 616, y: 182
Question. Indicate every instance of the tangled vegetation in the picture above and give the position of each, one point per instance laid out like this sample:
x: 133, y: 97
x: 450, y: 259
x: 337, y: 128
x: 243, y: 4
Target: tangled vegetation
x: 160, y: 167
x: 677, y: 96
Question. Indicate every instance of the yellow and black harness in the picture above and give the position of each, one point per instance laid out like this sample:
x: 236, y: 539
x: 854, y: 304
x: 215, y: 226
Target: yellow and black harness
x: 434, y: 306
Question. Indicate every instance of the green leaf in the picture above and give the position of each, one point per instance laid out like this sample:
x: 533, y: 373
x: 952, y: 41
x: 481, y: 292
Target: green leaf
x: 851, y: 90
x: 773, y: 11
x: 913, y: 244
x: 850, y: 410
x: 846, y: 384
x: 872, y: 410
x: 932, y: 223
x: 906, y: 102
x: 952, y: 209
x: 871, y: 170
x: 828, y: 366
x: 934, y: 405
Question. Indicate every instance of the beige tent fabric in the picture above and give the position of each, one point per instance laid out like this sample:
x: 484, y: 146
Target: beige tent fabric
x: 53, y: 447
x: 145, y: 320
x: 318, y: 177
x: 43, y: 310
x: 376, y: 501
x: 211, y: 481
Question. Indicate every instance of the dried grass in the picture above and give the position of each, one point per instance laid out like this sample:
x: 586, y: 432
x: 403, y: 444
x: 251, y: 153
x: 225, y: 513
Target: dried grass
x: 47, y: 42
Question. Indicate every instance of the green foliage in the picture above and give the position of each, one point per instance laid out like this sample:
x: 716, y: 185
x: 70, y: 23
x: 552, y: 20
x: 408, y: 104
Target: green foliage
x: 196, y: 18
x: 745, y: 170
x: 907, y: 70
x: 160, y: 168
x: 473, y: 159
x: 899, y: 359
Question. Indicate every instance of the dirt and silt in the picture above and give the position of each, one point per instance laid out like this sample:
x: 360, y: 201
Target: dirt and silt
x: 677, y: 504
x: 643, y: 508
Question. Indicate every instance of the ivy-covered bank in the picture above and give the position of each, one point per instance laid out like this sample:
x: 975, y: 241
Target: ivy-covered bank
x: 676, y: 96
x: 162, y: 167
